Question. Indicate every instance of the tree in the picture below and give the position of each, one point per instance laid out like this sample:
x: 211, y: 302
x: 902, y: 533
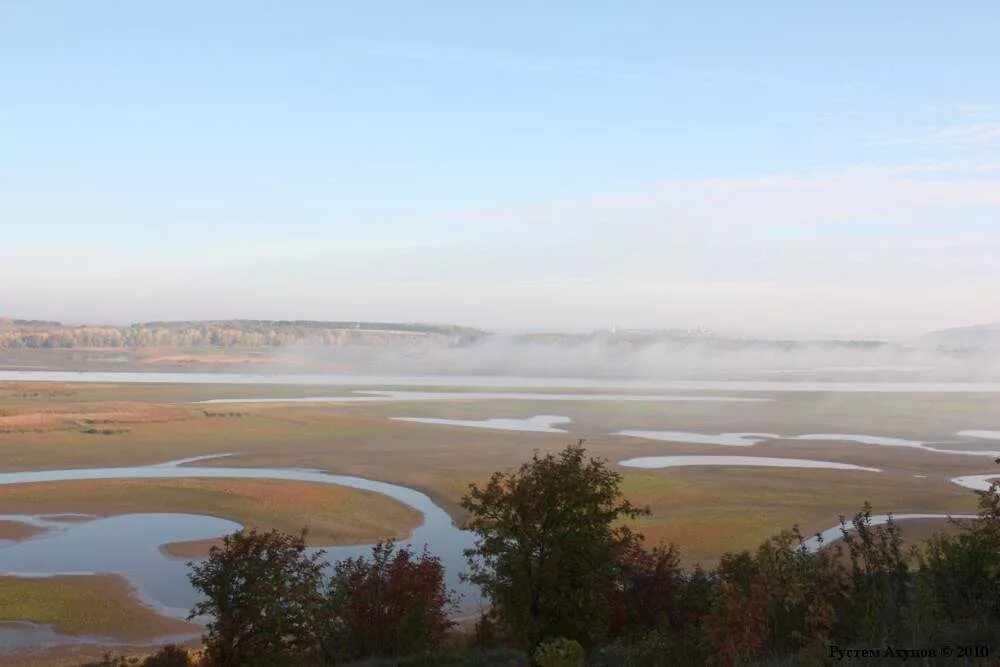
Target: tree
x: 879, y: 578
x: 658, y: 607
x: 781, y: 600
x: 963, y: 569
x: 395, y: 604
x: 649, y: 586
x: 262, y: 593
x: 548, y: 546
x: 666, y: 612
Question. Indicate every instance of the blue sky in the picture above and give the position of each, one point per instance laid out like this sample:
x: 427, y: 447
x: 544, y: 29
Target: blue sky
x: 774, y: 167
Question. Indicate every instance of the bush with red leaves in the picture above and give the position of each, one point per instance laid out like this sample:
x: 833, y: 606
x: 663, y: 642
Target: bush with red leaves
x: 393, y: 604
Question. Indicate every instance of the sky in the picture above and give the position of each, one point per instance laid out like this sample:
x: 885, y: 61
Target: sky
x: 773, y: 168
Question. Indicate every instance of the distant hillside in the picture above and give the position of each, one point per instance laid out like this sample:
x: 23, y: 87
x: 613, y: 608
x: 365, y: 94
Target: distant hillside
x: 979, y: 337
x: 223, y: 333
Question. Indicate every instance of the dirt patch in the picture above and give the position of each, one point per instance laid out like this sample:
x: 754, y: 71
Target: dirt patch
x: 190, y: 550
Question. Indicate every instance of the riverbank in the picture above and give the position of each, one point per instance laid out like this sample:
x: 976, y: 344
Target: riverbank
x: 91, y: 608
x: 332, y: 515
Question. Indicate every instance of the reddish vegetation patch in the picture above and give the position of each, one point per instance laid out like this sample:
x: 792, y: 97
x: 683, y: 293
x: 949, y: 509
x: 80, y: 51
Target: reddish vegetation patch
x: 82, y: 415
x: 34, y: 389
x: 16, y: 530
x: 192, y: 549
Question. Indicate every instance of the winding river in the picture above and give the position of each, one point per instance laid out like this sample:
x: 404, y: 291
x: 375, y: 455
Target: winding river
x: 361, y: 380
x: 130, y: 544
x: 835, y: 533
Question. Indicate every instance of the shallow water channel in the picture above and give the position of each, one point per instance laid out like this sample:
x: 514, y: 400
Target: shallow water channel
x: 129, y: 545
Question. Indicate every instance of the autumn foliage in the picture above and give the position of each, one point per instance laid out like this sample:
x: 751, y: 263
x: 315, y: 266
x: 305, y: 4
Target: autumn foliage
x: 269, y: 602
x: 393, y: 604
x: 565, y: 577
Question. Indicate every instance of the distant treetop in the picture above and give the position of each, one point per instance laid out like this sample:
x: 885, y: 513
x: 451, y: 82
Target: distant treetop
x: 221, y: 333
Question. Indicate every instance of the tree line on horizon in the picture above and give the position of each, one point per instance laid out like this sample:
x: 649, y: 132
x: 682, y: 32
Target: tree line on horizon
x: 30, y: 334
x: 569, y: 584
x: 42, y: 334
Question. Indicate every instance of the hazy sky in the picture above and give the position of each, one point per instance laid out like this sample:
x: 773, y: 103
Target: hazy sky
x: 785, y: 167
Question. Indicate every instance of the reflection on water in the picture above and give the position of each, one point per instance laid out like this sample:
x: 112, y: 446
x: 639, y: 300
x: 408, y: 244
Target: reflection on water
x: 829, y: 535
x: 750, y: 439
x: 537, y: 424
x: 347, y: 380
x: 862, y: 439
x: 129, y: 544
x: 373, y: 396
x: 986, y: 435
x: 15, y: 635
x: 726, y: 439
x: 977, y: 482
x: 882, y: 441
x: 758, y: 461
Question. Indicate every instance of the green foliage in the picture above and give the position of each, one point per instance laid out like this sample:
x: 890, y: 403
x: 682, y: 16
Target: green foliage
x: 962, y: 571
x: 560, y: 653
x: 782, y: 599
x: 169, y: 656
x: 548, y: 546
x: 562, y: 574
x: 262, y: 593
x: 879, y: 577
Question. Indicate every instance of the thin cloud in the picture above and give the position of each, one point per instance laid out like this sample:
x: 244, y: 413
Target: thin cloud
x: 968, y: 135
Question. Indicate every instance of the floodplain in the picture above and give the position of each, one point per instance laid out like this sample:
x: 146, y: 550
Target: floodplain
x: 436, y: 440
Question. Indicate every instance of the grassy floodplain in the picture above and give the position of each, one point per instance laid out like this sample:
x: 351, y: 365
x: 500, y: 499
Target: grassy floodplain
x: 89, y: 605
x: 706, y: 510
x: 333, y: 515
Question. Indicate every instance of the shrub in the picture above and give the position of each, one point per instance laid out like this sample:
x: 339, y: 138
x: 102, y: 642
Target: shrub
x: 879, y: 578
x: 394, y: 604
x: 963, y: 570
x: 560, y: 653
x: 648, y: 588
x: 548, y: 544
x: 781, y: 600
x: 169, y: 656
x: 262, y: 594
